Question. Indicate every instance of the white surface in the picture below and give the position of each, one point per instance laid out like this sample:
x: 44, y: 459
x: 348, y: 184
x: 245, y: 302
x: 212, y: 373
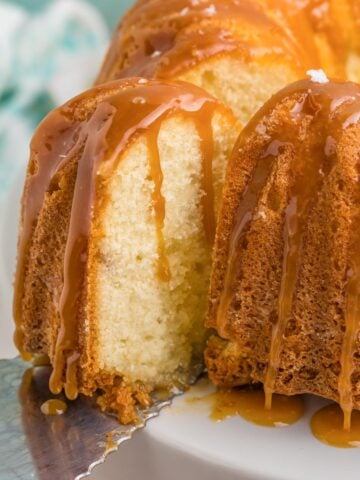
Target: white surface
x: 183, y: 443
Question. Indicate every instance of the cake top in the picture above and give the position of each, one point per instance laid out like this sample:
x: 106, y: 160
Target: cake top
x: 166, y: 38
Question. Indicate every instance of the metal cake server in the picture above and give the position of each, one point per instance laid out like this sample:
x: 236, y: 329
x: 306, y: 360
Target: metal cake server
x: 34, y: 446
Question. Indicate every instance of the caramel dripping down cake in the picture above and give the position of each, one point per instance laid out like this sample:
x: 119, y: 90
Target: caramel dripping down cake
x: 241, y: 51
x: 118, y: 220
x: 285, y: 286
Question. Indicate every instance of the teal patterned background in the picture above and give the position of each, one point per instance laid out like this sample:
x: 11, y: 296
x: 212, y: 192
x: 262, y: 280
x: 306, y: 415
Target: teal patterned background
x: 50, y: 51
x: 111, y: 9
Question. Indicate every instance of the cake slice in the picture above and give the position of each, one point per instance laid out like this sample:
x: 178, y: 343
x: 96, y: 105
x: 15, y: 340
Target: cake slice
x: 285, y: 287
x: 118, y: 219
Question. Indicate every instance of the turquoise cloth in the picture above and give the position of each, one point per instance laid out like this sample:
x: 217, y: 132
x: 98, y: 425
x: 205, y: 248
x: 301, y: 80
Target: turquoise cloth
x: 111, y: 9
x: 50, y: 51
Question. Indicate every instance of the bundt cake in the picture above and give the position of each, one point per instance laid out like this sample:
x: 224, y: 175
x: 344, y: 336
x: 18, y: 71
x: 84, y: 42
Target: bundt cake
x: 285, y: 288
x: 122, y: 194
x: 118, y: 220
x: 241, y: 51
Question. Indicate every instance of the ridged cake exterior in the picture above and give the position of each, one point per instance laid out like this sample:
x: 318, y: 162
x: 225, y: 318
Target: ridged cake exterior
x: 285, y: 286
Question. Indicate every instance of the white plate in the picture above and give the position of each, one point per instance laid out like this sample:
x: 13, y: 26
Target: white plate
x: 183, y: 442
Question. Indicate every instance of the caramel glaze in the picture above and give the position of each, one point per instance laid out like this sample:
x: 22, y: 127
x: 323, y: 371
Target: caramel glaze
x: 53, y: 407
x: 333, y: 107
x: 49, y: 150
x: 352, y: 312
x: 111, y: 444
x: 41, y: 360
x: 249, y: 404
x: 159, y: 204
x: 163, y: 39
x: 207, y: 154
x: 124, y: 110
x: 327, y: 425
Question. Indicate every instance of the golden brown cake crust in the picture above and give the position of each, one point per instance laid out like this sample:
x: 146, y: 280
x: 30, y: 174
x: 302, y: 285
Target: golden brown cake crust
x: 307, y: 122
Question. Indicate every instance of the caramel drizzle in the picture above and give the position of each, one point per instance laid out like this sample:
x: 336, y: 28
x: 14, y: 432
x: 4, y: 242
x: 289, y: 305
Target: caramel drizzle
x: 47, y: 157
x: 352, y: 316
x: 304, y: 193
x: 244, y: 214
x: 305, y: 189
x: 94, y: 146
x: 204, y: 127
x: 158, y: 202
x: 132, y: 109
x: 292, y: 240
x: 307, y: 184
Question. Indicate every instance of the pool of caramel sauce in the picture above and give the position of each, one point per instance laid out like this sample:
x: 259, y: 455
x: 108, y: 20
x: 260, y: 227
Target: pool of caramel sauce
x: 327, y: 424
x: 53, y: 407
x: 249, y: 404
